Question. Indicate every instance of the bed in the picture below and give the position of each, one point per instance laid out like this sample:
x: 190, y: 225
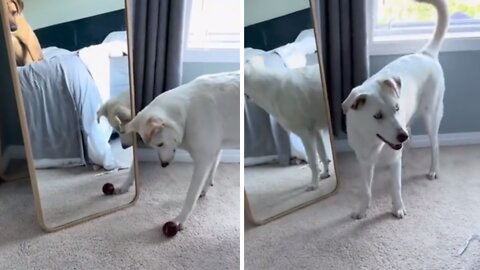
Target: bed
x: 62, y: 94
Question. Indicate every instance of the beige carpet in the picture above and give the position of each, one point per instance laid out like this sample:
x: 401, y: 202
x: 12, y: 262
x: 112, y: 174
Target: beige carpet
x: 68, y: 194
x: 72, y: 193
x: 130, y: 238
x: 272, y: 189
x: 442, y: 214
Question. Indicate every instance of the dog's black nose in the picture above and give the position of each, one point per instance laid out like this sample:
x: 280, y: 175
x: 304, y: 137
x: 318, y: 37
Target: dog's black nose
x: 165, y: 164
x: 13, y: 27
x: 125, y: 146
x: 402, y: 136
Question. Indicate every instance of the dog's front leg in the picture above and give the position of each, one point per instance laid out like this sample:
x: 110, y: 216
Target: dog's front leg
x: 211, y: 176
x: 128, y: 182
x: 398, y: 209
x: 202, y: 167
x: 310, y: 149
x: 323, y: 155
x: 366, y: 196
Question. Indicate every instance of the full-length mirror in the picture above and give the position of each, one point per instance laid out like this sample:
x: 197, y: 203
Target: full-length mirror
x: 289, y: 162
x: 72, y: 62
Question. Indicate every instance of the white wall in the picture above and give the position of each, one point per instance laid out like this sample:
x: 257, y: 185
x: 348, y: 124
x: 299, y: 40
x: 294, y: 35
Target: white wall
x: 261, y: 10
x: 42, y: 13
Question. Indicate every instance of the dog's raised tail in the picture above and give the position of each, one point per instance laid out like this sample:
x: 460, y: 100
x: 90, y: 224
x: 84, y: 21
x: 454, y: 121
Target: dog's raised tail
x: 433, y: 47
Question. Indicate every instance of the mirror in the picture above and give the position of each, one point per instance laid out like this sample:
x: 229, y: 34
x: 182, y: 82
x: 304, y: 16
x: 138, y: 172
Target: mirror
x: 73, y: 84
x: 289, y: 162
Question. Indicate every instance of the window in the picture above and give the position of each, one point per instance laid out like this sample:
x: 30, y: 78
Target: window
x: 401, y: 26
x: 213, y: 31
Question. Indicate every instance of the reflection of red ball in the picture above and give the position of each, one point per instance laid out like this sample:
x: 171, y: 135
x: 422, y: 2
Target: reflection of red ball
x: 108, y: 189
x: 170, y: 229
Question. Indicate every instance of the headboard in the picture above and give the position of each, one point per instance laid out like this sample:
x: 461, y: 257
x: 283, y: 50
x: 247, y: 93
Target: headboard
x: 273, y: 33
x: 77, y: 34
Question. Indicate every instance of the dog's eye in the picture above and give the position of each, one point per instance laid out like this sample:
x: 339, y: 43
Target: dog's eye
x: 397, y: 108
x: 378, y: 115
x: 160, y: 144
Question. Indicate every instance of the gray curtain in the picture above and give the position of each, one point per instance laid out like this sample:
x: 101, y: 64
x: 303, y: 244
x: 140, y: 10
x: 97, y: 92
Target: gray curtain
x: 158, y: 33
x: 345, y: 51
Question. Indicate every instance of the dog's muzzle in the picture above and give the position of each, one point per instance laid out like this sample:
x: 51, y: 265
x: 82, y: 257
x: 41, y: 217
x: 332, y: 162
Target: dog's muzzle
x: 393, y: 146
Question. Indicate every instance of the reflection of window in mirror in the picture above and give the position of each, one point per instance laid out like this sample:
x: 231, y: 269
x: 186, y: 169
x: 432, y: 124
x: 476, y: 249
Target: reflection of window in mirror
x: 288, y: 150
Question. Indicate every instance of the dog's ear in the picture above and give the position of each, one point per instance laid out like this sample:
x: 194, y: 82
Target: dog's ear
x: 20, y: 5
x: 394, y: 84
x: 123, y: 113
x: 354, y: 101
x: 100, y: 113
x: 154, y: 125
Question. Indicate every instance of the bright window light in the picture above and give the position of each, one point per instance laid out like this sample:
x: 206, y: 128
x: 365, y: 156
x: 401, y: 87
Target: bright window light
x: 408, y: 19
x: 214, y: 24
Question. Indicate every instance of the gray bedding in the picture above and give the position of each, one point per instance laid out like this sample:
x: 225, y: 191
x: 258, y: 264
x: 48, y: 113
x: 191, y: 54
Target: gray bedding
x: 60, y: 100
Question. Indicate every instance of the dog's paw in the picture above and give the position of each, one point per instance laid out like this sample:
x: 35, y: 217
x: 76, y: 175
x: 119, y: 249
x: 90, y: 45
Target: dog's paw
x: 359, y: 214
x: 324, y: 175
x: 399, y: 213
x: 311, y: 187
x: 432, y: 175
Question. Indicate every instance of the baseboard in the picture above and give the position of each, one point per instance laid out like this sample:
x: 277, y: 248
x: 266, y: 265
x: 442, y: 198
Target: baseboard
x: 420, y: 141
x: 149, y: 155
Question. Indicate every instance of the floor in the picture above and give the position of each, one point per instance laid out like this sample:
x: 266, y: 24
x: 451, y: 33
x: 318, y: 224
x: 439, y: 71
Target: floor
x: 272, y: 189
x: 130, y: 238
x: 442, y: 215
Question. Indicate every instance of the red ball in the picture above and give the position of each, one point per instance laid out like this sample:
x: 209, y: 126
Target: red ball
x: 170, y: 229
x: 108, y: 189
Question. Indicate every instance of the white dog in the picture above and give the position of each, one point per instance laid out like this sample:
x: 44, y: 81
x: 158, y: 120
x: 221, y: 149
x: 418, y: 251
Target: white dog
x: 202, y: 117
x: 295, y: 98
x: 118, y: 112
x: 379, y: 112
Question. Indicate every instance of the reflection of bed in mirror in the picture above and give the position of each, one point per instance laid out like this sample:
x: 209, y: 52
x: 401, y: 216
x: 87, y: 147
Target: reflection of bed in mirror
x: 276, y: 170
x: 62, y: 94
x: 75, y: 152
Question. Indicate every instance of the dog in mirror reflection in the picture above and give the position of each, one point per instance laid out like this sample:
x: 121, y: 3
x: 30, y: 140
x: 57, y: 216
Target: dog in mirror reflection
x: 295, y: 98
x: 118, y: 112
x: 201, y: 117
x: 379, y: 113
x: 25, y: 43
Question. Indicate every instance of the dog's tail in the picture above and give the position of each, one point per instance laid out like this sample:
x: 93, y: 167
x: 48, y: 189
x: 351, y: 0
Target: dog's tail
x: 433, y: 47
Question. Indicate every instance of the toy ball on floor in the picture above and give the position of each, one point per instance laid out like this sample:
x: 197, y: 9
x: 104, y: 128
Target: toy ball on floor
x: 108, y: 189
x: 170, y: 229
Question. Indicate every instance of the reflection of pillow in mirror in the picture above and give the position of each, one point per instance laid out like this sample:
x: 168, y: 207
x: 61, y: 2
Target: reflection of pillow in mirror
x: 305, y: 34
x: 251, y: 52
x: 312, y: 59
x: 116, y: 36
x: 53, y: 51
x: 119, y: 79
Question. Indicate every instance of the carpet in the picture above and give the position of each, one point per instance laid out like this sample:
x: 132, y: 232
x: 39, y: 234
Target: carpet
x: 130, y: 238
x: 272, y: 189
x: 442, y: 215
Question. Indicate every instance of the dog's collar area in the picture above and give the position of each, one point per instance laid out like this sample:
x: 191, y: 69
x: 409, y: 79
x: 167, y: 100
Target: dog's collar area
x: 393, y: 146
